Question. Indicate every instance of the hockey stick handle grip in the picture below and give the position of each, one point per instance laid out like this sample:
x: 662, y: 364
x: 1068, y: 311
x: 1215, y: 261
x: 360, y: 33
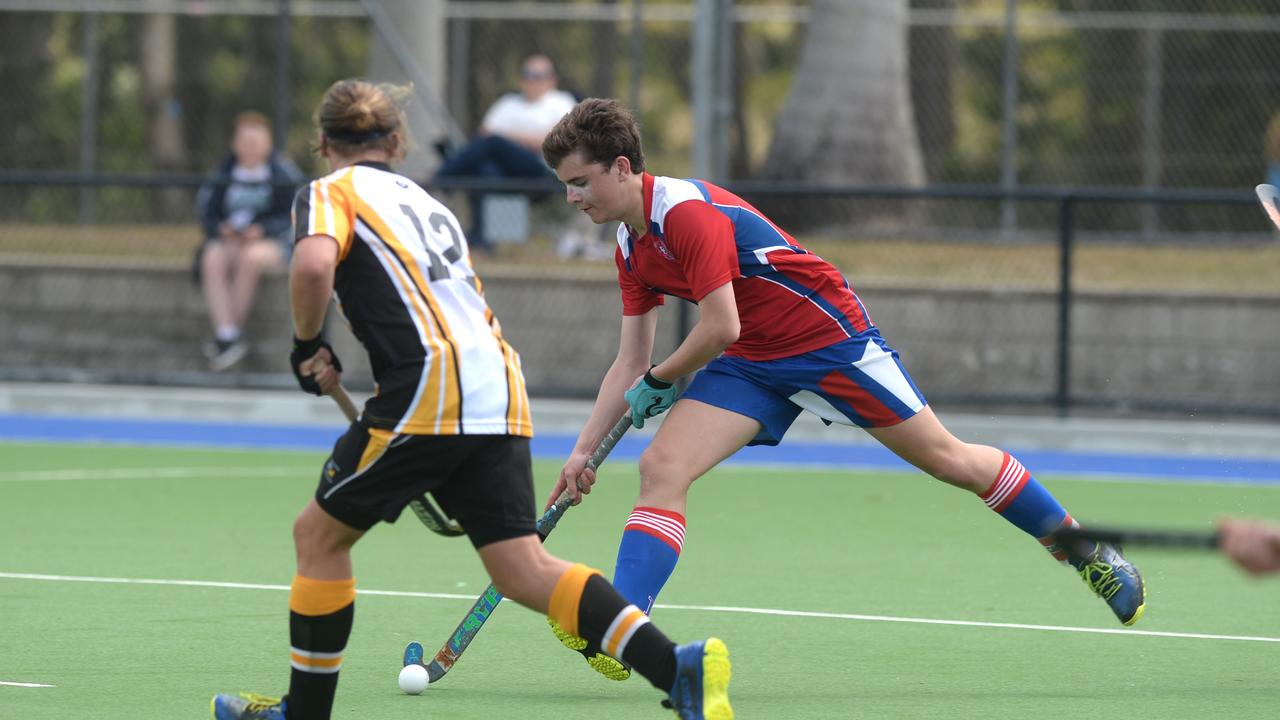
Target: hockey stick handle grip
x: 562, y: 503
x: 1189, y: 539
x: 340, y: 396
x: 610, y: 440
x: 346, y: 403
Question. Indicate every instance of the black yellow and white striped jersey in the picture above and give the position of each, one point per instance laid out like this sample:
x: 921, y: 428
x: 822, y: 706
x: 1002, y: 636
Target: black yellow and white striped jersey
x: 405, y: 283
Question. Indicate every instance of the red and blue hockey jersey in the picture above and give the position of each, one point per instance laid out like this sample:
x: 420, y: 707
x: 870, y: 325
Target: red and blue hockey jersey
x: 700, y: 237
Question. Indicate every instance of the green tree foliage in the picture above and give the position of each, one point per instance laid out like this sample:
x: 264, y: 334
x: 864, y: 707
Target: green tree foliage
x: 1080, y: 113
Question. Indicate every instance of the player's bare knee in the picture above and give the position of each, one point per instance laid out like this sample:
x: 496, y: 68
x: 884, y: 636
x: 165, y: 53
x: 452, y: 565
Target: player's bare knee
x: 306, y: 535
x: 951, y: 465
x: 314, y: 538
x: 659, y: 469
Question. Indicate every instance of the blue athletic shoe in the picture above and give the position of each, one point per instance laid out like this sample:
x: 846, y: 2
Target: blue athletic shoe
x: 413, y: 654
x: 246, y: 706
x: 1115, y: 580
x: 701, y: 691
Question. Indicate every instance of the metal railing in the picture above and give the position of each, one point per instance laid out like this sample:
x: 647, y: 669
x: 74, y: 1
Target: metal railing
x: 1065, y: 200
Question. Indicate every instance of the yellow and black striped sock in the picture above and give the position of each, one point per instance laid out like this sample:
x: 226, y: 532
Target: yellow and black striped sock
x: 585, y: 604
x: 320, y: 617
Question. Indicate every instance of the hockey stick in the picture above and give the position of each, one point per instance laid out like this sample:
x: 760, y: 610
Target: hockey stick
x: 1269, y: 196
x: 489, y: 599
x: 431, y: 516
x: 1130, y: 536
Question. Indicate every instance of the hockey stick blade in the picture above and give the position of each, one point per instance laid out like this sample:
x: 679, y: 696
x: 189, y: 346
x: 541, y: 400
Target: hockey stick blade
x: 489, y: 599
x: 434, y: 519
x: 1130, y: 537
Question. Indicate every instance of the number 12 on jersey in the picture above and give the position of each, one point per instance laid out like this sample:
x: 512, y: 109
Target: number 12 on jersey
x: 439, y: 224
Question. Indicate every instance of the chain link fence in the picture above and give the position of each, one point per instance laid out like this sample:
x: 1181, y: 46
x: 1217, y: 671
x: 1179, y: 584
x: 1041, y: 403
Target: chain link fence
x: 116, y: 111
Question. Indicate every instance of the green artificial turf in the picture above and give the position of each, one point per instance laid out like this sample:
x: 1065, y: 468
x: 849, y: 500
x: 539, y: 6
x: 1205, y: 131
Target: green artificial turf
x: 856, y: 550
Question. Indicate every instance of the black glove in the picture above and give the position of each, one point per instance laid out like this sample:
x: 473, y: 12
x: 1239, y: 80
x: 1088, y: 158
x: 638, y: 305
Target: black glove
x: 305, y: 350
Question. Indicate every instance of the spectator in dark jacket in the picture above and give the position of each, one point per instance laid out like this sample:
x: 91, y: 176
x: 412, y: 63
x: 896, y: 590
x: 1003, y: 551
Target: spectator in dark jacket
x: 245, y: 213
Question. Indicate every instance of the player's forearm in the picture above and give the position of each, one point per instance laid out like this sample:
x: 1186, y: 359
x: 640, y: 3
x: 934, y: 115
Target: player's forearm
x: 309, y: 292
x: 717, y: 328
x: 704, y: 343
x: 610, y: 404
x: 309, y: 295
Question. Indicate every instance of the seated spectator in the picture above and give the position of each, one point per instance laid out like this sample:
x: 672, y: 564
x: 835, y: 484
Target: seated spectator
x: 245, y: 213
x: 508, y: 143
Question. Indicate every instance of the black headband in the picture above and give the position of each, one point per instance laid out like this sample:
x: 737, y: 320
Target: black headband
x: 356, y: 138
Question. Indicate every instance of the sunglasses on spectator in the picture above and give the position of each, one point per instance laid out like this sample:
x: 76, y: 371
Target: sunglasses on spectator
x: 534, y: 75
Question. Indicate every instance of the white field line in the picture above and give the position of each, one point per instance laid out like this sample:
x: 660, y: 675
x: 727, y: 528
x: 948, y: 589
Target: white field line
x: 154, y: 473
x: 698, y: 608
x: 28, y: 685
x: 1087, y: 476
x: 213, y: 584
x: 183, y: 473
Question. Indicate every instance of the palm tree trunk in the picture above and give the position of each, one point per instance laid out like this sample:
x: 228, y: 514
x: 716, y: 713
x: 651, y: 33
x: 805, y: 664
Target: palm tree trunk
x: 848, y: 118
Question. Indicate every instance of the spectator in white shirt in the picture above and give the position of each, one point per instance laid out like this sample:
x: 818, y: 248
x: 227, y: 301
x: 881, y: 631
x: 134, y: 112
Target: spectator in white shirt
x: 508, y: 143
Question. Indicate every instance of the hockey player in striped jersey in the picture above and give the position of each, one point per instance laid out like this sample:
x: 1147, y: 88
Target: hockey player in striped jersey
x: 450, y: 417
x: 779, y: 331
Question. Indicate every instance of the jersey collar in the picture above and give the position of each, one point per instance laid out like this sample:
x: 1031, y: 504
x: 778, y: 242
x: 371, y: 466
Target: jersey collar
x: 627, y: 239
x: 646, y: 191
x: 646, y: 182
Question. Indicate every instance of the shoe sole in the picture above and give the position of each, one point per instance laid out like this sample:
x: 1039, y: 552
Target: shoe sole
x: 716, y: 672
x: 1142, y: 606
x: 228, y: 358
x: 607, y: 666
x: 573, y: 642
x: 1137, y: 614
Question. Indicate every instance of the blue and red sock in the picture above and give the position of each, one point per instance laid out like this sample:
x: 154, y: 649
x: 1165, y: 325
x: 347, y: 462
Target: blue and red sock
x: 1023, y: 501
x: 648, y: 553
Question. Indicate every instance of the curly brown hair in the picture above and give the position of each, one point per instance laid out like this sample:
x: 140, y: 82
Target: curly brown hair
x: 601, y: 129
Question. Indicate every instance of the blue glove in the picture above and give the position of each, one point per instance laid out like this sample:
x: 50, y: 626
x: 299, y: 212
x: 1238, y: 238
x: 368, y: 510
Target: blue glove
x: 649, y: 398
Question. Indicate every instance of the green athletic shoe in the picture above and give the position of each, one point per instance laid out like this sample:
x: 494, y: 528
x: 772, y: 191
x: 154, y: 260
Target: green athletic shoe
x: 1115, y: 580
x: 609, y: 667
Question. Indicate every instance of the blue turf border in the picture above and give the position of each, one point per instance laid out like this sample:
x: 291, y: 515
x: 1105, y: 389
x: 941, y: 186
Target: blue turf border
x: 46, y: 428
